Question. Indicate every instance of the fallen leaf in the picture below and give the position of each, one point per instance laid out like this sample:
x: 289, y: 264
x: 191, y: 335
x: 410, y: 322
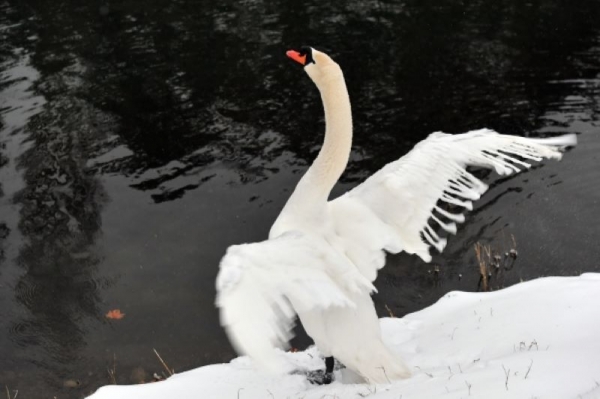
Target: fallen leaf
x: 115, y: 314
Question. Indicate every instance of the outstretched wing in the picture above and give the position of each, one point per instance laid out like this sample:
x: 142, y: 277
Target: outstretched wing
x: 261, y: 287
x: 400, y: 201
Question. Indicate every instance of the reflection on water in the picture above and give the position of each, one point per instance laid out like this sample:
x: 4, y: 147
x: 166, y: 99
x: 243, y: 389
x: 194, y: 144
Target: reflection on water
x: 56, y: 205
x: 139, y: 139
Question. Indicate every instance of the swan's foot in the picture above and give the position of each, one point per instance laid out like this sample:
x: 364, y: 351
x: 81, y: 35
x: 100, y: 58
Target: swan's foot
x: 320, y: 377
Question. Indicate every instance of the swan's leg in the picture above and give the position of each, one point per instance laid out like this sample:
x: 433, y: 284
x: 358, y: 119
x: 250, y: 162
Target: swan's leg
x: 328, y: 377
x: 329, y: 362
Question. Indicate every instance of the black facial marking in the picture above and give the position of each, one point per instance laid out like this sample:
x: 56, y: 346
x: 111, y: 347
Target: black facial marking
x: 307, y: 51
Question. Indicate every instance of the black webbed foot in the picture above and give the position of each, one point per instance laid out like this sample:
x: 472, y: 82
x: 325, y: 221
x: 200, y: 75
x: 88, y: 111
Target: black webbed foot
x: 322, y: 377
x: 319, y: 377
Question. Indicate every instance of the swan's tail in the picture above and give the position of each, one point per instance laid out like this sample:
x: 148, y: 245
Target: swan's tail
x: 378, y: 365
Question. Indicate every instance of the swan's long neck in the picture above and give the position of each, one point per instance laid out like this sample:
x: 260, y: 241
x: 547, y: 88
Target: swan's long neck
x: 308, y: 201
x: 334, y: 154
x: 327, y: 168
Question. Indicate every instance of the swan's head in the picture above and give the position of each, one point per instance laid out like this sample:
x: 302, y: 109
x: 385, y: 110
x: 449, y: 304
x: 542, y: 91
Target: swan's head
x: 318, y: 65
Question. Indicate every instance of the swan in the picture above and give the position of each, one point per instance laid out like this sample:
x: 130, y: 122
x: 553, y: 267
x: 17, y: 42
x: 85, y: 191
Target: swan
x: 321, y: 257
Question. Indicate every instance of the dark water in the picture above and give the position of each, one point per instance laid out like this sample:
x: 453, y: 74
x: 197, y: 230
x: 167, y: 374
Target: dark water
x: 138, y: 139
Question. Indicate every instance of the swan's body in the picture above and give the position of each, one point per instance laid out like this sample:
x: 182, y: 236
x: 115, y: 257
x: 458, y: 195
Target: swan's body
x: 322, y: 256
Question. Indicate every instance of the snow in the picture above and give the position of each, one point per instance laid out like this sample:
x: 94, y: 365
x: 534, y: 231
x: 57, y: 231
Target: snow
x: 538, y: 339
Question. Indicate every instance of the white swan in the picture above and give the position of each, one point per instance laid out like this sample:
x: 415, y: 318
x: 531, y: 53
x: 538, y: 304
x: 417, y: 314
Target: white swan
x: 322, y: 256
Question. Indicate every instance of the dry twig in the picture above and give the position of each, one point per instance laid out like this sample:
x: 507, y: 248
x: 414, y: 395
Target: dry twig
x: 386, y: 376
x: 480, y: 251
x: 429, y: 374
x: 112, y: 373
x: 529, y: 369
x: 507, y: 373
x: 170, y: 371
x: 453, y: 331
x: 392, y: 315
x: 468, y: 386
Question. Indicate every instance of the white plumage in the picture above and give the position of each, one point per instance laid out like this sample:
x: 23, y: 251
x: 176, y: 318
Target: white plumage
x: 322, y: 256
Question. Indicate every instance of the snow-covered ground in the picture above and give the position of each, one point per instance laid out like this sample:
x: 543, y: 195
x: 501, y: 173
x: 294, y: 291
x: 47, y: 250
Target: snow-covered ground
x: 538, y: 339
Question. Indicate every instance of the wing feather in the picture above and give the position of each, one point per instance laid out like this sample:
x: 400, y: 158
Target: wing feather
x: 261, y: 286
x: 404, y: 194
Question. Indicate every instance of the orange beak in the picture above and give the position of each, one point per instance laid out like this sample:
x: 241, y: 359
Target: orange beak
x: 301, y: 59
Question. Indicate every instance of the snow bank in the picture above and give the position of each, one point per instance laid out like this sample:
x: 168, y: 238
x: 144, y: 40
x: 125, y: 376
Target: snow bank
x: 539, y: 339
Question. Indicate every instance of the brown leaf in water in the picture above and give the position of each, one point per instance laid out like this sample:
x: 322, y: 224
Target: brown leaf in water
x: 115, y: 314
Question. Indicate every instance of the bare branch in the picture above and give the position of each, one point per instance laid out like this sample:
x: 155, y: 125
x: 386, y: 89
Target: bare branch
x: 429, y: 374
